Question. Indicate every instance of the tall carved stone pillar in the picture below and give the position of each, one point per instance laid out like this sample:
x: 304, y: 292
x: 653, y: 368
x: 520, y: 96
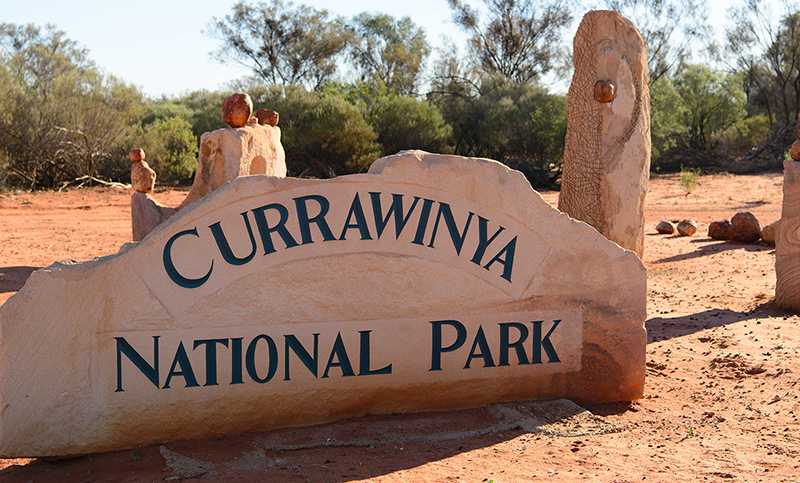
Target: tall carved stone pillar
x: 607, y: 152
x: 787, y: 241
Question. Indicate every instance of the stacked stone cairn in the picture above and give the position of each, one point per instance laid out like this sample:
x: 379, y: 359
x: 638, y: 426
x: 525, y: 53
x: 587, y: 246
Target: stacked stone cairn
x: 143, y: 178
x: 251, y: 146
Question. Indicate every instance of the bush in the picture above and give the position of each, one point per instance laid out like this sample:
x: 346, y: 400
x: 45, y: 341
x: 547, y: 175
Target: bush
x: 170, y: 148
x: 403, y: 122
x: 519, y: 124
x: 320, y: 131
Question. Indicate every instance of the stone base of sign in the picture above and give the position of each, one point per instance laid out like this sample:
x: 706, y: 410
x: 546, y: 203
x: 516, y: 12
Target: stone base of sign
x: 147, y: 214
x: 430, y: 283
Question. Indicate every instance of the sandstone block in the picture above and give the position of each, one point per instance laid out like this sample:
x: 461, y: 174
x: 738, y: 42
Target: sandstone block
x: 720, y: 230
x: 745, y: 227
x: 607, y: 151
x: 431, y: 282
x: 666, y: 227
x: 226, y: 154
x: 147, y: 214
x: 787, y: 241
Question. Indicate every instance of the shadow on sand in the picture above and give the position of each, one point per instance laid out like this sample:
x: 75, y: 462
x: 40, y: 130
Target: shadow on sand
x: 12, y: 279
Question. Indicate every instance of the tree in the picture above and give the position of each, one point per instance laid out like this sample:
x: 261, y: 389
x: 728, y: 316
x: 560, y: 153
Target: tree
x: 519, y: 39
x: 62, y: 117
x: 281, y: 43
x: 670, y: 29
x: 388, y: 51
x: 713, y: 102
x: 768, y: 55
x: 518, y: 124
x: 667, y: 119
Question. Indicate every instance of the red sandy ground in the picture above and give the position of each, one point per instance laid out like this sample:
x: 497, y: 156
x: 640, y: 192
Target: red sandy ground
x: 720, y: 403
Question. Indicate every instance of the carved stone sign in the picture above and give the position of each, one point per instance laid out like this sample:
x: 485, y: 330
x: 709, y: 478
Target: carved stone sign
x: 432, y: 282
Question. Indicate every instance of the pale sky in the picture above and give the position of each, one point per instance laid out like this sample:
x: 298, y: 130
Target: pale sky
x: 159, y: 46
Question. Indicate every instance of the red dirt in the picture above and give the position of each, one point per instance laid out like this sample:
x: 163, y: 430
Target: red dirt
x: 721, y: 398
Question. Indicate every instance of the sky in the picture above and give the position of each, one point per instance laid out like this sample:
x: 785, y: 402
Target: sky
x: 159, y: 45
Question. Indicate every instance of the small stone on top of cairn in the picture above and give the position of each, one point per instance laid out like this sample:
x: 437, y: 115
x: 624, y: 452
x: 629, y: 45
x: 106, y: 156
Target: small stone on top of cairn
x: 267, y: 116
x: 143, y: 179
x: 237, y: 109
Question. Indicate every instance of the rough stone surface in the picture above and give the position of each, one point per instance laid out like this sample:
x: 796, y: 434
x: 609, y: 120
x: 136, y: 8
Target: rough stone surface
x: 720, y: 230
x: 687, y: 228
x: 787, y: 242
x: 147, y: 214
x: 267, y: 116
x: 769, y: 232
x: 143, y: 178
x: 226, y: 154
x: 794, y: 152
x: 136, y: 155
x: 745, y: 227
x: 607, y: 151
x: 666, y: 227
x: 237, y: 109
x: 170, y: 338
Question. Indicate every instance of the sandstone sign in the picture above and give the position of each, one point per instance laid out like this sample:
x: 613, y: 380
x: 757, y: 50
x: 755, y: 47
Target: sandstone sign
x: 432, y: 282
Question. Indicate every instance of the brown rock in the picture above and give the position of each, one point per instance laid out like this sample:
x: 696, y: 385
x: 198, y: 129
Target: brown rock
x: 745, y: 227
x: 237, y: 109
x: 143, y: 179
x: 720, y: 230
x: 604, y: 91
x: 795, y: 151
x: 267, y: 116
x: 769, y: 233
x: 136, y: 155
x: 666, y: 227
x: 687, y: 228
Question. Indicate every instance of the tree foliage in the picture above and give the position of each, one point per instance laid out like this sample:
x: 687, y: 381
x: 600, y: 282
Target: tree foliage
x: 321, y: 132
x: 389, y: 52
x: 767, y: 53
x: 170, y: 146
x: 62, y: 117
x: 282, y: 43
x: 670, y: 29
x: 404, y: 122
x: 519, y: 39
x: 520, y: 124
x: 713, y: 102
